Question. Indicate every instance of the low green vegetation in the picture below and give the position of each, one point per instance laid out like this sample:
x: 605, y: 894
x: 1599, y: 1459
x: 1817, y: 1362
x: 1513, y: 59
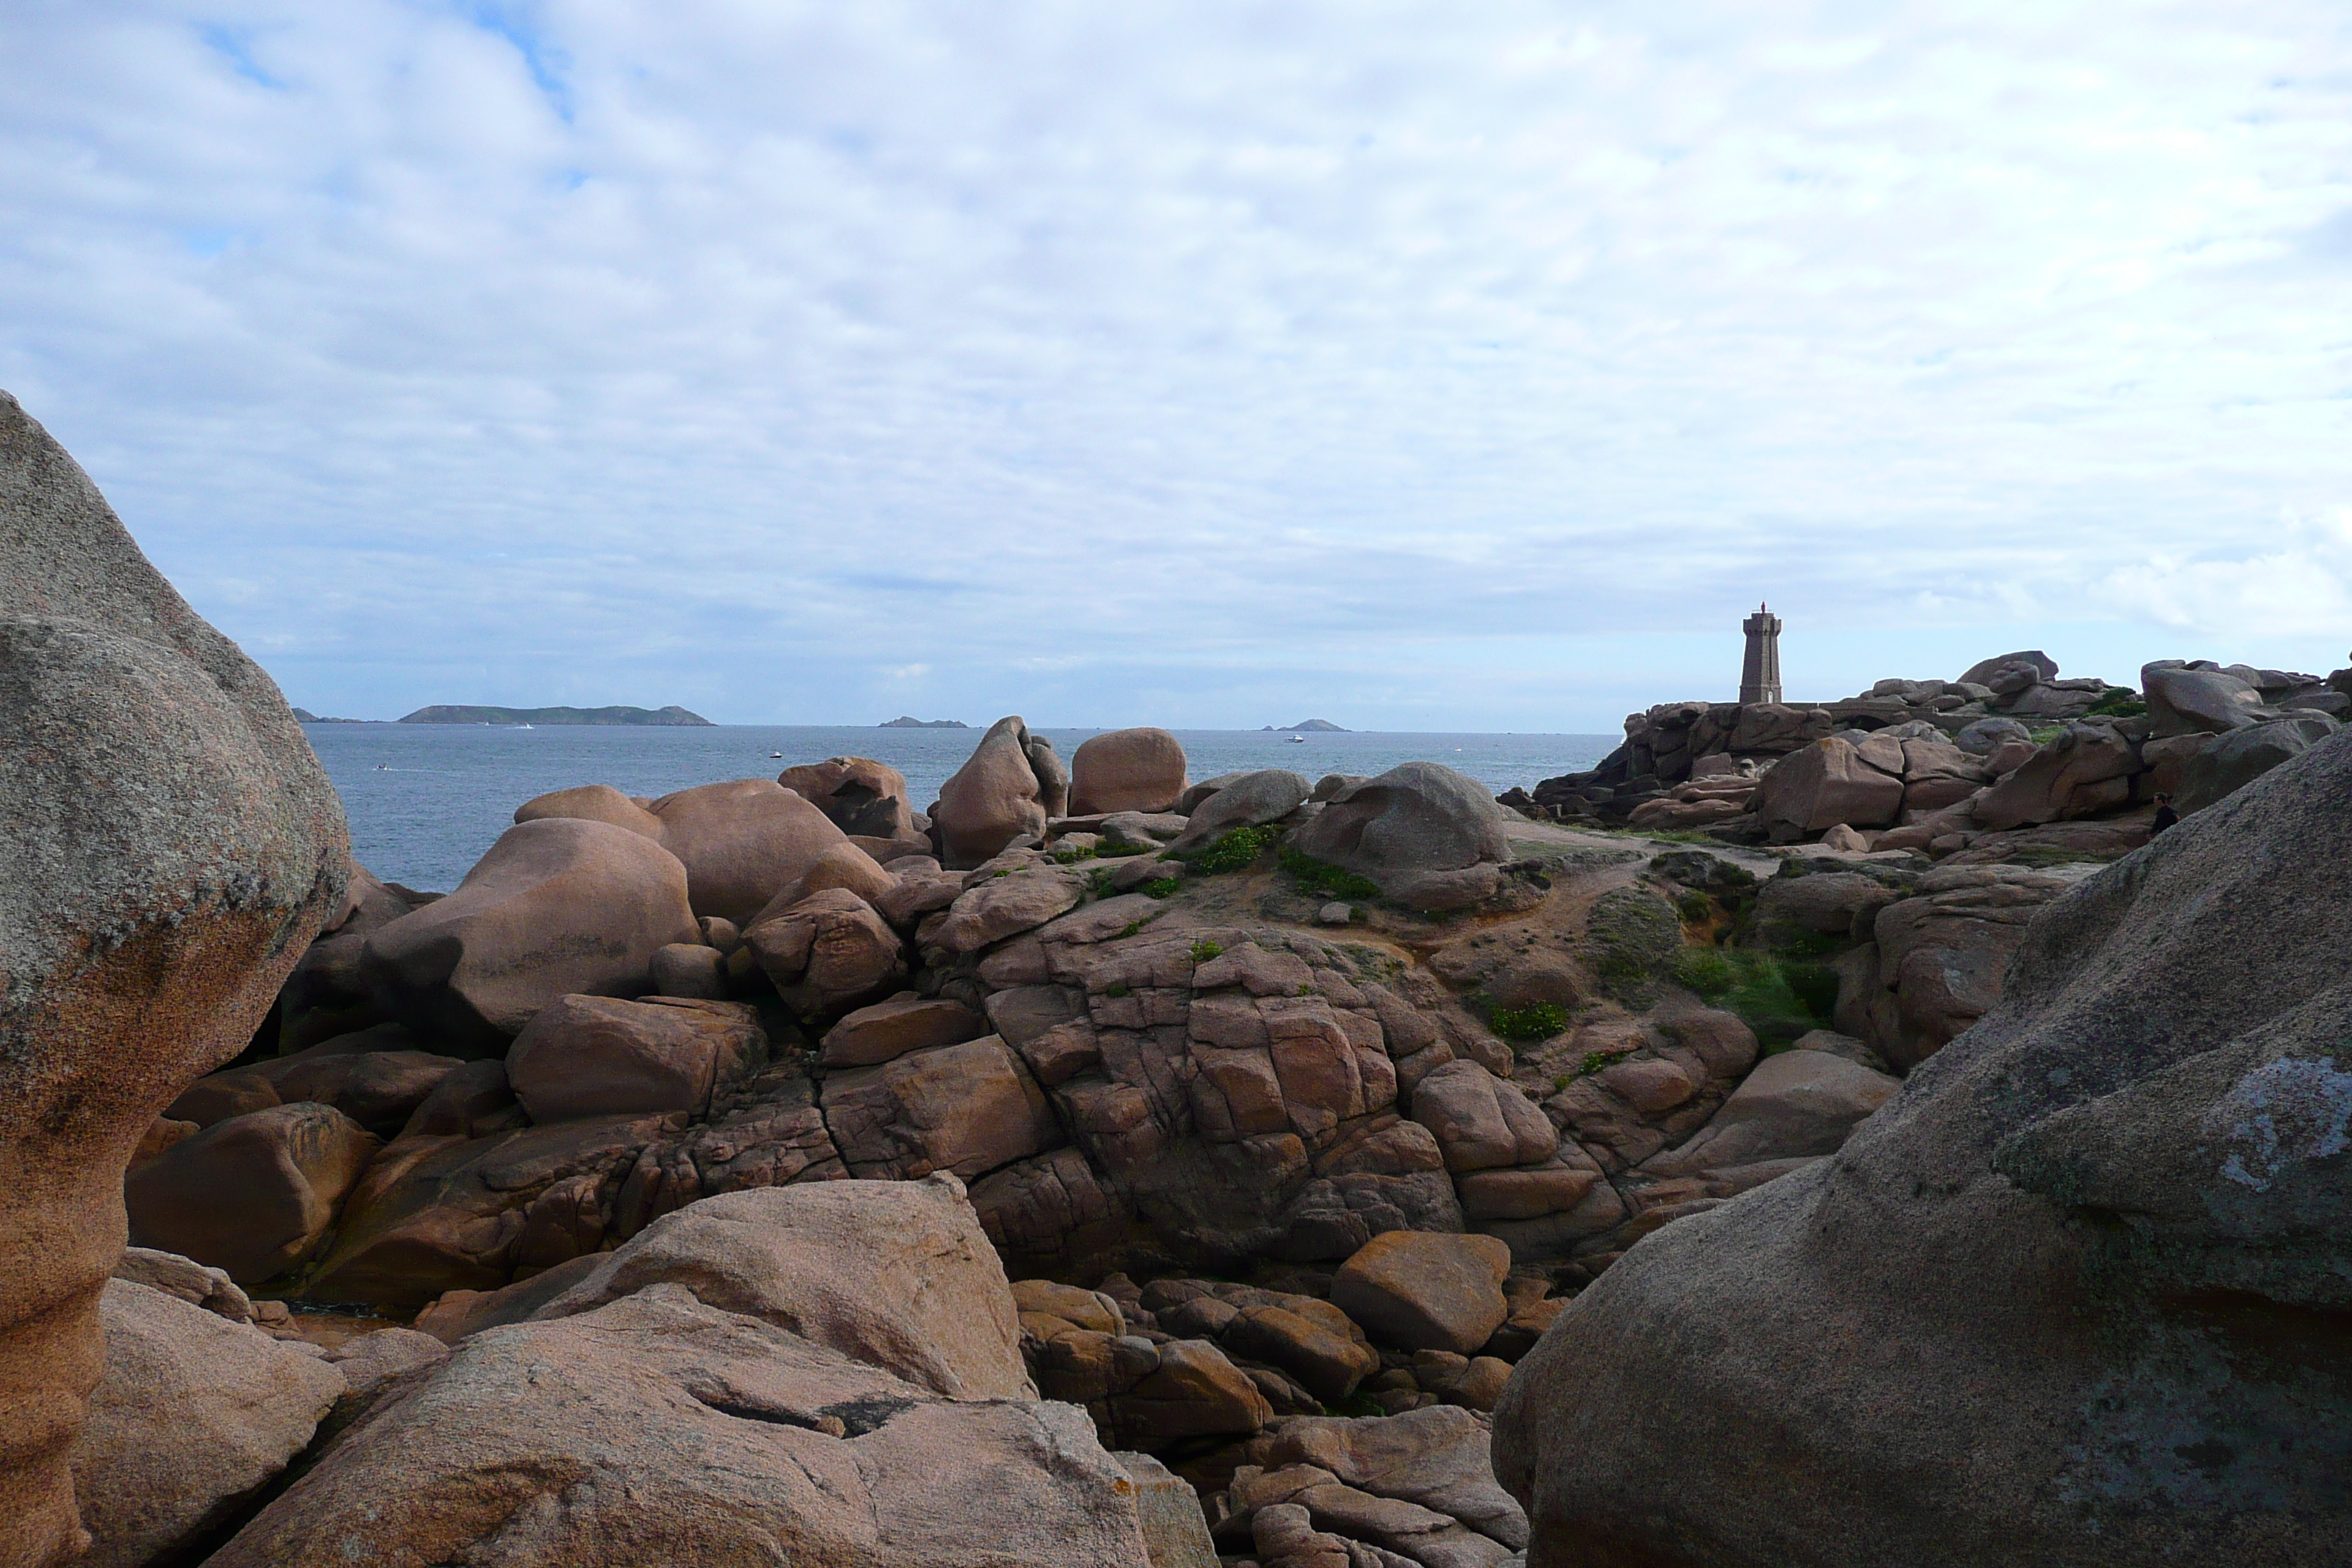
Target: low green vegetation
x: 1634, y: 936
x: 2119, y: 702
x: 1205, y: 950
x: 1161, y: 887
x: 1107, y: 851
x: 1537, y: 1021
x: 1072, y: 857
x: 1314, y: 875
x: 1235, y: 851
x: 1780, y: 998
x: 1117, y: 988
x: 1594, y: 1061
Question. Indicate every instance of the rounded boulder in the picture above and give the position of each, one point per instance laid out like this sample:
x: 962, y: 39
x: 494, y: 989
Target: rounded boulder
x: 1127, y: 769
x: 560, y: 906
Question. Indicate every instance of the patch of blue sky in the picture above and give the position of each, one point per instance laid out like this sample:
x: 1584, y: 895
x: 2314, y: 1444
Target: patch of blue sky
x: 544, y: 61
x: 234, y: 45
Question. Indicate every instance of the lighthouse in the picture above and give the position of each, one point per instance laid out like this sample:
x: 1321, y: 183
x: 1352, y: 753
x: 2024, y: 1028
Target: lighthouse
x: 1759, y: 674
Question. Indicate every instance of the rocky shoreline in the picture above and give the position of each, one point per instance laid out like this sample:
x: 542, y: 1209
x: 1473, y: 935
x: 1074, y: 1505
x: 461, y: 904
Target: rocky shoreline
x: 1250, y: 1170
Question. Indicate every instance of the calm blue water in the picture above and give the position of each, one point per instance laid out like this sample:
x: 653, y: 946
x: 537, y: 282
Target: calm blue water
x: 425, y: 800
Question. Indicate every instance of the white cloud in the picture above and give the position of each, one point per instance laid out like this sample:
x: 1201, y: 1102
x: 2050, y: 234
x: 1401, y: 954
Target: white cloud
x: 1172, y: 363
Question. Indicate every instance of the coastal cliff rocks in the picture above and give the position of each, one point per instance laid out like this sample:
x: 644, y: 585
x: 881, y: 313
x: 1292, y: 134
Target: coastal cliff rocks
x: 194, y: 1413
x: 558, y: 906
x: 1994, y: 769
x: 1008, y: 788
x: 170, y: 848
x: 1127, y: 769
x: 2134, y: 1163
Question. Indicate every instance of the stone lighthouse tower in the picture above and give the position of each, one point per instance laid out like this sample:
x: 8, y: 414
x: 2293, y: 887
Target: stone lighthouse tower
x: 1759, y: 674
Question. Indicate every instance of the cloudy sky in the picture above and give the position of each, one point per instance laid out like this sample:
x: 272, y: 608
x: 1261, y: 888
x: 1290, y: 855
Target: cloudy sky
x: 1422, y: 366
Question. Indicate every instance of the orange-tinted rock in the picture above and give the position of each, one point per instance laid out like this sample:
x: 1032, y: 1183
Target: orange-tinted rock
x: 889, y: 1030
x: 1127, y: 769
x: 597, y: 1056
x: 969, y: 1108
x: 252, y: 1194
x: 1425, y: 1291
x: 1818, y: 786
x: 742, y: 841
x: 171, y: 848
x: 830, y: 951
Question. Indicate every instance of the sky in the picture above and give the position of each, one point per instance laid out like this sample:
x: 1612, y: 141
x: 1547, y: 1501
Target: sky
x: 1415, y: 367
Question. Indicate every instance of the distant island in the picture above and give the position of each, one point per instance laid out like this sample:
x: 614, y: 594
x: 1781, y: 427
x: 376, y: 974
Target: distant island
x: 1320, y: 726
x: 304, y: 716
x: 909, y: 721
x: 458, y: 713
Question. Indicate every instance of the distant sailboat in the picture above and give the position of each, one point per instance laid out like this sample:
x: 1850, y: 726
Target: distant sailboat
x: 1297, y: 740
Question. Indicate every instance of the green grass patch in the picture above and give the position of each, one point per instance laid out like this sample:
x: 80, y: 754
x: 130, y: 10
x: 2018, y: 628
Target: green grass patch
x: 1161, y: 887
x: 1117, y: 988
x: 2118, y: 702
x: 1593, y: 1061
x: 1205, y: 950
x: 1235, y: 851
x: 1119, y: 851
x: 1314, y: 875
x: 1072, y: 857
x: 1778, y: 998
x: 1537, y: 1021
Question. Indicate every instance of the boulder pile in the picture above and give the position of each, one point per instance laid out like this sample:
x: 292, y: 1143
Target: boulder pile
x: 2076, y: 1295
x: 2006, y: 760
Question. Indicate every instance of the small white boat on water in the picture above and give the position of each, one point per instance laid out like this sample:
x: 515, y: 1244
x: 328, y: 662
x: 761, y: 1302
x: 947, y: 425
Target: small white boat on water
x: 1296, y: 740
x: 775, y: 756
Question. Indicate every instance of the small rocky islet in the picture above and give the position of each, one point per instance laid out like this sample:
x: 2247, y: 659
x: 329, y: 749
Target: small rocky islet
x: 1819, y: 1134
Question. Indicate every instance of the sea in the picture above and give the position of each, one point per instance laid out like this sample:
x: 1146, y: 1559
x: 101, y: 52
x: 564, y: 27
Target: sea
x: 425, y: 800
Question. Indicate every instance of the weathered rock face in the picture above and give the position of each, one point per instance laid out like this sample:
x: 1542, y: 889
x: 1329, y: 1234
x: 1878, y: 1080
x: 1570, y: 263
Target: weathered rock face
x: 2086, y: 769
x: 742, y: 841
x: 2244, y: 755
x: 662, y: 1429
x: 1425, y: 1291
x: 559, y: 906
x: 998, y: 795
x: 1127, y: 769
x: 194, y: 1414
x: 252, y: 1194
x: 863, y: 798
x: 1825, y: 784
x: 1425, y: 834
x: 1937, y: 961
x: 2190, y: 701
x: 596, y: 1056
x: 168, y: 846
x: 2133, y: 1164
x: 895, y: 1274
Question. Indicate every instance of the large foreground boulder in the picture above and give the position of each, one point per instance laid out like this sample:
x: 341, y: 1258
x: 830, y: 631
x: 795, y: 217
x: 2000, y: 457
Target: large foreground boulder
x: 196, y: 1414
x: 168, y: 846
x: 659, y: 1429
x: 559, y: 906
x: 2076, y: 1295
x: 895, y: 1274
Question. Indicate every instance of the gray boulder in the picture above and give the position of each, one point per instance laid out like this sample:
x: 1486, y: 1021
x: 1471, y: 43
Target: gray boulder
x: 168, y: 848
x: 1425, y: 834
x: 1984, y: 737
x: 2241, y: 757
x: 2075, y: 1297
x: 1246, y: 801
x: 1981, y: 673
x: 2183, y: 701
x: 194, y: 1414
